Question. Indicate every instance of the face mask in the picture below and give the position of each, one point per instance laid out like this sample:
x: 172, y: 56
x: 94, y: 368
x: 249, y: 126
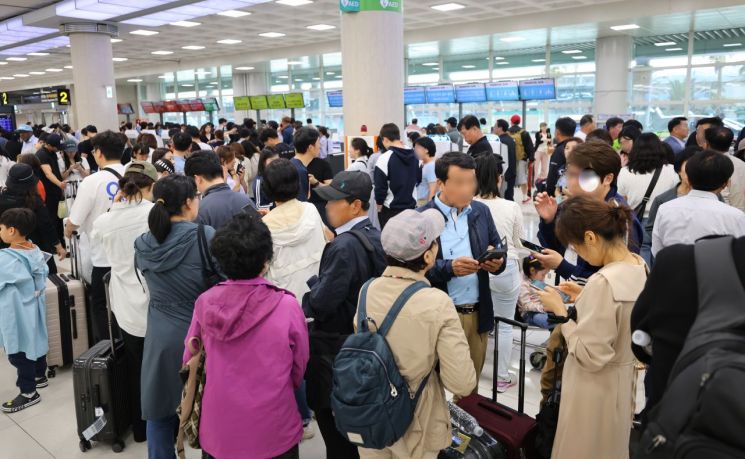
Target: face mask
x: 589, y: 180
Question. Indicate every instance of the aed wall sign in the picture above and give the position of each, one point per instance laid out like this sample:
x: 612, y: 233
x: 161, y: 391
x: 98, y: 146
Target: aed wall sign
x: 63, y: 96
x: 355, y: 6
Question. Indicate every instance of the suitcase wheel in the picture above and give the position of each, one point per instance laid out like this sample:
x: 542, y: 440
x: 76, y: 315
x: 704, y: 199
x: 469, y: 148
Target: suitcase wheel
x: 84, y: 445
x: 51, y: 372
x: 538, y: 360
x: 118, y: 446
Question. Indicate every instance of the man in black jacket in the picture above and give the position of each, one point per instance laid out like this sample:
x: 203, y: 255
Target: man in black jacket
x: 667, y: 308
x: 565, y: 128
x: 510, y: 175
x: 470, y: 129
x: 353, y: 257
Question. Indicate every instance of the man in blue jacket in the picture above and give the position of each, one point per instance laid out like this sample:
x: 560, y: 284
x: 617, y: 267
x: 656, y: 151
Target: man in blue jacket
x: 592, y: 170
x: 397, y: 173
x: 353, y: 257
x: 469, y: 232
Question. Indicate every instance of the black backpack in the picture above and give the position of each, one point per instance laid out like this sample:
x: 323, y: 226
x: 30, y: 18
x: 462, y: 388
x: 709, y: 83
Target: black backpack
x: 702, y: 413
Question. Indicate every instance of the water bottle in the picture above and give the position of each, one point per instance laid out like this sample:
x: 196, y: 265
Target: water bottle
x: 643, y: 340
x: 465, y: 422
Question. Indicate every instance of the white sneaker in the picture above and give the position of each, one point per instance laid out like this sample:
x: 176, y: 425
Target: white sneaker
x: 308, y: 432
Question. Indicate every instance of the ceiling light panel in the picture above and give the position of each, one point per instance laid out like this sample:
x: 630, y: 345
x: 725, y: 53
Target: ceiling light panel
x: 184, y: 14
x: 731, y: 45
x: 229, y: 41
x: 294, y: 2
x: 144, y: 33
x: 572, y: 51
x: 624, y: 27
x: 665, y: 43
x: 161, y: 53
x: 193, y: 47
x: 233, y: 13
x: 271, y: 35
x: 185, y: 24
x: 321, y: 27
x: 243, y: 68
x: 448, y: 7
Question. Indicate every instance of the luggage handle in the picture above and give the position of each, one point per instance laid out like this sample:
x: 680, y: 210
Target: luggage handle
x: 106, y: 280
x: 496, y: 409
x: 74, y: 317
x: 521, y: 383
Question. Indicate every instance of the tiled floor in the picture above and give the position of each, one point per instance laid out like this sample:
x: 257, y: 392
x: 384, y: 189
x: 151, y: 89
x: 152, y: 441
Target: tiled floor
x: 48, y: 430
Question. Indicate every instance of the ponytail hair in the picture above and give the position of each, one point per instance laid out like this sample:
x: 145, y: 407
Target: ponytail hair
x: 609, y: 220
x: 132, y: 183
x: 170, y: 194
x: 361, y: 145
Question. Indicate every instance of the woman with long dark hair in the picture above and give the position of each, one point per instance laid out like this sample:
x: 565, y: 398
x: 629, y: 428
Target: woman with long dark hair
x: 360, y: 153
x: 263, y: 201
x: 172, y: 257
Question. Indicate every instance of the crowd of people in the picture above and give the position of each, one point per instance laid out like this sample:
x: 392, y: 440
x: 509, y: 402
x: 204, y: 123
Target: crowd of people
x: 240, y: 239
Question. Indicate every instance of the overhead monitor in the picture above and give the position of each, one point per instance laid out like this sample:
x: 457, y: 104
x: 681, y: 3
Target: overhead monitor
x: 294, y: 100
x: 184, y: 105
x: 211, y: 105
x: 336, y: 99
x: 538, y: 89
x: 502, y: 91
x: 242, y: 103
x: 276, y: 101
x: 259, y: 102
x: 414, y: 95
x: 125, y: 109
x: 148, y: 107
x: 470, y: 93
x: 440, y: 94
x: 172, y: 106
x: 160, y: 106
x: 7, y: 121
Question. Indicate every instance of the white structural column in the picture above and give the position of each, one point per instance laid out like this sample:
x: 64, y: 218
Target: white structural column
x: 94, y: 99
x: 612, y: 60
x: 373, y: 70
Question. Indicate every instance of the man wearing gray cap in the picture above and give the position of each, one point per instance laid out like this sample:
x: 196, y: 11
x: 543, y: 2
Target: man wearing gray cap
x: 426, y: 331
x: 353, y: 257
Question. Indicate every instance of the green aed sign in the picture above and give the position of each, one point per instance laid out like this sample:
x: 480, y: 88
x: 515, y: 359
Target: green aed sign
x: 355, y: 6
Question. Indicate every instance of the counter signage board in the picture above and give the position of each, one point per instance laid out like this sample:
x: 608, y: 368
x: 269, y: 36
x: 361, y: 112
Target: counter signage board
x: 294, y: 100
x: 259, y: 103
x: 414, y: 95
x: 538, y: 89
x: 63, y: 96
x: 440, y: 94
x: 211, y: 105
x: 470, y: 93
x: 3, y: 98
x: 148, y: 107
x: 242, y: 103
x: 336, y: 99
x: 501, y: 91
x: 159, y: 106
x: 355, y: 6
x: 126, y: 109
x: 276, y: 101
x: 171, y: 106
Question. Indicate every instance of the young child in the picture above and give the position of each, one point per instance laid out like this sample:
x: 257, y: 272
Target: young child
x: 23, y: 328
x: 529, y: 303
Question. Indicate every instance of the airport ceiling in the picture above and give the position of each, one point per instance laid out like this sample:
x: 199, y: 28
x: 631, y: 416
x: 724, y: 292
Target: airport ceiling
x: 314, y: 28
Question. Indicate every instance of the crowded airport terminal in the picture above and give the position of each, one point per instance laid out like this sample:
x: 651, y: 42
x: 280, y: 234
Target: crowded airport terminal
x: 376, y: 229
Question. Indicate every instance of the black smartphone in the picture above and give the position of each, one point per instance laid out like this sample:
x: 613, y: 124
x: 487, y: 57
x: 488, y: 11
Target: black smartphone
x: 493, y: 254
x: 532, y: 247
x: 239, y: 169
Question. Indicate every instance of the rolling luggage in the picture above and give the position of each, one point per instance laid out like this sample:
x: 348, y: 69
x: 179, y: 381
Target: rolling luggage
x: 66, y: 321
x: 513, y: 429
x: 469, y: 439
x: 101, y: 395
x: 76, y: 272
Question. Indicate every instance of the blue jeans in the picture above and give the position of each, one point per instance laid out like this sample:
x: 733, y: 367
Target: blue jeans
x: 161, y: 438
x: 302, y: 404
x: 505, y: 288
x: 538, y: 319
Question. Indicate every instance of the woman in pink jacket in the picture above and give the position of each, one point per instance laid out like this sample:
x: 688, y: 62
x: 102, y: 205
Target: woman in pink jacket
x: 256, y: 342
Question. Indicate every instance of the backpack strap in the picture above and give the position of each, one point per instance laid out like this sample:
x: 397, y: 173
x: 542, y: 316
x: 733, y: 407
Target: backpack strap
x: 720, y: 298
x: 398, y: 305
x: 112, y: 172
x: 653, y: 183
x: 362, y: 308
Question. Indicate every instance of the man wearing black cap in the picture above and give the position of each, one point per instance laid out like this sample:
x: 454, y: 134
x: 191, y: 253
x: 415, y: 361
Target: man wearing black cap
x: 353, y: 257
x: 54, y: 186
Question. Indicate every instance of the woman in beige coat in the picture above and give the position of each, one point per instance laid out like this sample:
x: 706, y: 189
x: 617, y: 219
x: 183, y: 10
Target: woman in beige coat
x: 598, y: 381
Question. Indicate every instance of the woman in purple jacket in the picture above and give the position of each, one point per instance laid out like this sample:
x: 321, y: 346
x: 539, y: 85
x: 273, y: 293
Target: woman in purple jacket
x: 256, y: 342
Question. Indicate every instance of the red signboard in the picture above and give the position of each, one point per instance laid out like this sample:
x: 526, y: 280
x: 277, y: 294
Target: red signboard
x: 196, y: 105
x: 147, y: 107
x: 172, y: 106
x: 160, y: 107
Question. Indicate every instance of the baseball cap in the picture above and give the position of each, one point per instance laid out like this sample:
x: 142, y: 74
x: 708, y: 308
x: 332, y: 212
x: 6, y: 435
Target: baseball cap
x: 515, y: 119
x: 142, y: 167
x: 21, y: 177
x: 54, y: 140
x: 452, y: 120
x: 409, y: 234
x: 24, y: 128
x: 347, y: 184
x: 69, y: 145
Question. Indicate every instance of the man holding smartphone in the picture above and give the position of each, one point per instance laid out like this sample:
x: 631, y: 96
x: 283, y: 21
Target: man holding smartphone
x: 469, y: 233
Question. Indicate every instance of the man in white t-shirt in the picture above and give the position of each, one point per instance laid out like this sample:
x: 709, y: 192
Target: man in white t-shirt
x: 95, y: 195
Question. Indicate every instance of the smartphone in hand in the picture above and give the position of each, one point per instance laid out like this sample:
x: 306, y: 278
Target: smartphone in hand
x: 532, y: 247
x: 492, y: 254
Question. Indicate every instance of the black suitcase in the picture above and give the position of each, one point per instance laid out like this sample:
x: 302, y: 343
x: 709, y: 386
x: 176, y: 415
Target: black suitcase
x: 99, y: 382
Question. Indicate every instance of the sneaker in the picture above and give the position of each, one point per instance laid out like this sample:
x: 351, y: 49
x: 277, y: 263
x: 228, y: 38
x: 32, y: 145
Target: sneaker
x: 308, y: 432
x: 21, y: 402
x: 42, y: 382
x: 504, y: 384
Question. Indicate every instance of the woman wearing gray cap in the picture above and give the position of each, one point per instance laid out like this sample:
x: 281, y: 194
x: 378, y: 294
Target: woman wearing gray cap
x: 426, y: 331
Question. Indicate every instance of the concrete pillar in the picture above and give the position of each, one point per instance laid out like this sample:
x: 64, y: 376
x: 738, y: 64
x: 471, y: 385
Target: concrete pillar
x: 372, y: 40
x: 612, y: 59
x: 93, y: 77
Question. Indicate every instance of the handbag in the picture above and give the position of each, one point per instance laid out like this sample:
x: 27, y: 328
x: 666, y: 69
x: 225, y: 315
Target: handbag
x: 190, y: 409
x: 639, y: 210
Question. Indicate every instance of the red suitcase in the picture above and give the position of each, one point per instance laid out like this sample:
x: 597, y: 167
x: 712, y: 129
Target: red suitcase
x: 515, y: 430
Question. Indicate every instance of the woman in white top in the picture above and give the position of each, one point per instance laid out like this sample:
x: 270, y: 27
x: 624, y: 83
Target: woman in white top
x: 542, y: 154
x: 359, y: 154
x: 233, y: 176
x: 505, y: 287
x: 116, y: 231
x: 647, y: 155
